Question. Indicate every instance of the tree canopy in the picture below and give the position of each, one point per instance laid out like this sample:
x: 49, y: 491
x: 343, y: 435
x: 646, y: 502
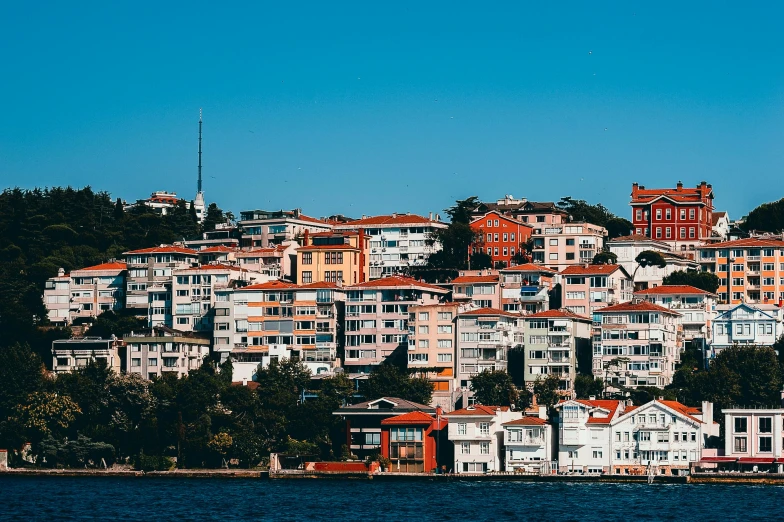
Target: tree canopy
x: 598, y: 214
x: 495, y: 388
x: 456, y: 239
x: 768, y: 217
x: 702, y: 280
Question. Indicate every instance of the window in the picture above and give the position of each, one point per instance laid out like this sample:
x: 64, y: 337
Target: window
x: 423, y: 329
x: 668, y: 232
x: 669, y: 213
x: 658, y: 232
x: 445, y: 357
x: 683, y: 232
x: 484, y: 428
x: 445, y: 316
x: 461, y: 428
x: 740, y: 424
x: 597, y: 453
x: 765, y: 425
x: 307, y: 258
x: 638, y: 215
x: 465, y: 448
x: 740, y: 444
x: 683, y: 213
x: 691, y: 214
x: 152, y: 361
x: 765, y: 444
x: 136, y: 362
x: 484, y: 448
x: 307, y: 277
x: 424, y: 316
x: 372, y: 439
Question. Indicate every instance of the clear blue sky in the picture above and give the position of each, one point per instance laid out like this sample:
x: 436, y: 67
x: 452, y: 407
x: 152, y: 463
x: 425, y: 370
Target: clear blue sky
x: 374, y: 107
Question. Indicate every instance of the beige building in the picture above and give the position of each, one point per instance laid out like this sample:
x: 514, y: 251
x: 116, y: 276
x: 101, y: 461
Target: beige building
x: 162, y: 350
x: 150, y: 272
x: 275, y: 261
x: 566, y: 244
x: 588, y: 288
x: 265, y: 229
x: 526, y: 288
x: 86, y: 292
x: 333, y: 257
x: 479, y: 288
x: 484, y: 338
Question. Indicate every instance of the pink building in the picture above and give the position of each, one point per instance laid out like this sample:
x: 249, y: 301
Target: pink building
x: 587, y: 288
x: 479, y: 287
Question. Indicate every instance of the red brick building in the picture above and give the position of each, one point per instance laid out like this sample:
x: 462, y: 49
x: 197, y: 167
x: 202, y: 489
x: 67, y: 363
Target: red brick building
x: 410, y: 441
x: 501, y: 237
x: 681, y: 217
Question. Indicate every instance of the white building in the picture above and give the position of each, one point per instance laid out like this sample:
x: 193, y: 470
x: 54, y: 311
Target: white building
x: 245, y: 370
x: 528, y: 444
x: 721, y: 225
x: 397, y: 241
x: 753, y: 437
x: 743, y: 324
x: 162, y: 350
x: 85, y: 292
x: 478, y: 435
x: 484, y: 338
x: 584, y: 428
x: 74, y: 354
x: 627, y: 248
x: 697, y: 308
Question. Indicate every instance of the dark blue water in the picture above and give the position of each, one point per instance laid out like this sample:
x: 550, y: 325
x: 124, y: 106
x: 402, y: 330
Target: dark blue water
x: 128, y: 499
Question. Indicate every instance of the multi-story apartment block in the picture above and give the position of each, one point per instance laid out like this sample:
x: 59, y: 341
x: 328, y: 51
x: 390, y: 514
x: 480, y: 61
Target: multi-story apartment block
x: 307, y: 319
x: 86, y: 292
x: 480, y: 288
x: 501, y: 237
x: 759, y: 325
x: 567, y: 244
x: 478, y: 435
x: 528, y: 443
x: 586, y: 289
x: 639, y: 344
x: 664, y: 435
x: 526, y: 288
x: 276, y: 261
x: 484, y: 338
x: 749, y: 270
x: 397, y: 241
x: 377, y: 314
x: 431, y: 345
x: 553, y: 340
x: 627, y: 248
x: 333, y: 257
x: 161, y: 350
x: 150, y: 272
x: 265, y: 229
x: 544, y: 213
x: 73, y: 354
x: 584, y: 428
x: 753, y: 438
x: 697, y: 308
x: 682, y: 217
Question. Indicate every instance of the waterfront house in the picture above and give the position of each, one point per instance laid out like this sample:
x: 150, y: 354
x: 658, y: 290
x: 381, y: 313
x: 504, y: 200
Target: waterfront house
x: 753, y: 438
x: 528, y: 444
x: 584, y: 434
x: 478, y: 435
x: 744, y: 324
x: 414, y: 442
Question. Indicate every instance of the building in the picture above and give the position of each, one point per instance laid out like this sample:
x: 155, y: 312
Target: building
x: 682, y: 217
x: 57, y: 298
x: 584, y: 428
x: 484, y: 338
x: 526, y: 288
x: 666, y: 436
x: 544, y: 213
x: 627, y: 248
x: 721, y: 226
x: 479, y: 288
x: 265, y: 229
x: 277, y: 261
x: 432, y: 330
x: 363, y: 422
x: 162, y: 350
x: 224, y: 234
x: 744, y: 324
x: 697, y: 308
x: 218, y: 254
x: 73, y: 354
x: 478, y: 436
x: 333, y: 257
x: 554, y: 342
x: 568, y: 244
x: 639, y: 345
x: 411, y: 441
x: 377, y: 314
x: 501, y: 237
x: 528, y: 445
x: 586, y: 289
x: 85, y: 292
x: 753, y: 439
x: 148, y: 281
x: 749, y: 270
x: 397, y: 241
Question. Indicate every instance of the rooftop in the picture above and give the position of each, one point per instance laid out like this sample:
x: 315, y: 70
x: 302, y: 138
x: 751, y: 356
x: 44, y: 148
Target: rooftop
x: 114, y: 265
x: 490, y: 311
x: 478, y: 410
x: 164, y: 249
x: 747, y: 243
x: 641, y: 306
x: 397, y: 282
x: 673, y: 290
x: 591, y: 269
x: 476, y: 279
x: 526, y: 421
x: 558, y: 314
x: 389, y: 219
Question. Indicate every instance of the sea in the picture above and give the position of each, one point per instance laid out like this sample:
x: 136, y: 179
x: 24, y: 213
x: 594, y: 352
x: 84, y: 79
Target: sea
x: 129, y: 499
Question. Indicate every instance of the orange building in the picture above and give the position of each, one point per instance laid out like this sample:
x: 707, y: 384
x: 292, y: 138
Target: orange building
x: 333, y: 257
x: 411, y: 440
x: 500, y: 236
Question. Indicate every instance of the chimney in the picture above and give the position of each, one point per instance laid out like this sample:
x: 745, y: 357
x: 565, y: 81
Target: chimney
x: 305, y: 237
x: 394, y: 214
x: 60, y: 272
x: 679, y: 186
x: 244, y: 381
x: 430, y: 216
x: 592, y: 397
x: 707, y: 412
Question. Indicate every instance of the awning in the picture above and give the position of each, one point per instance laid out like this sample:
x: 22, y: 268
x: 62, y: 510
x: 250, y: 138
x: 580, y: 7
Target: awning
x: 717, y: 460
x: 755, y: 460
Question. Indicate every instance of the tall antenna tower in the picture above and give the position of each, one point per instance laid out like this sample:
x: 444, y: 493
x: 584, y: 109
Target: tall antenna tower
x: 198, y: 186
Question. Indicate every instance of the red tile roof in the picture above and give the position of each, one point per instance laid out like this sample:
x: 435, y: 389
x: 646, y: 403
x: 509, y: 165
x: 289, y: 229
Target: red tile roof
x: 500, y: 217
x: 688, y: 411
x: 398, y: 282
x: 632, y: 237
x: 259, y: 251
x: 526, y: 421
x: 608, y: 405
x: 414, y: 417
x: 747, y: 243
x: 396, y: 219
x: 528, y: 267
x: 303, y: 217
x: 642, y: 306
x: 476, y: 279
x: 217, y: 249
x: 558, y: 314
x: 164, y: 249
x: 478, y: 410
x: 682, y: 194
x: 490, y: 311
x: 343, y: 246
x: 271, y: 285
x: 320, y: 284
x: 673, y: 290
x: 590, y: 269
x: 104, y: 266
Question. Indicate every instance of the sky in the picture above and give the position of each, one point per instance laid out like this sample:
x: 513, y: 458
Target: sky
x: 379, y: 107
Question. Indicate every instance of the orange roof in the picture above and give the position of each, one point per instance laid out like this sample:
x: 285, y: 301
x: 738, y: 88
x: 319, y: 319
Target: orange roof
x: 391, y: 219
x: 673, y: 290
x: 526, y: 421
x: 688, y: 411
x: 476, y: 279
x: 413, y: 417
x: 681, y: 195
x: 303, y: 217
x: 343, y: 246
x: 528, y: 267
x: 117, y: 265
x: 609, y: 405
x: 632, y: 237
x: 629, y: 409
x: 490, y: 311
x: 271, y: 285
x: 321, y: 284
x: 558, y: 314
x: 164, y: 249
x: 642, y: 306
x: 259, y: 251
x: 218, y: 248
x: 590, y: 269
x: 478, y: 410
x: 397, y: 281
x: 748, y: 242
x: 216, y: 267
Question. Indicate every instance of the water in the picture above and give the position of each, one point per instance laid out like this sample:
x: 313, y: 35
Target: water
x: 129, y: 499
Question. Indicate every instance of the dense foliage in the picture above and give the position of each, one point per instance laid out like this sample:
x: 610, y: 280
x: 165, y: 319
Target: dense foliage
x: 580, y: 210
x: 495, y: 388
x: 768, y: 217
x: 702, y: 280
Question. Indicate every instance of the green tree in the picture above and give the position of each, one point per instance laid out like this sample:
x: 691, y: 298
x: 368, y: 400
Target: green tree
x: 480, y: 261
x: 546, y: 391
x: 456, y: 239
x: 495, y: 388
x: 586, y: 386
x: 702, y: 280
x: 604, y: 258
x: 46, y: 413
x: 214, y: 216
x: 648, y: 258
x: 617, y: 227
x: 768, y: 217
x: 388, y: 381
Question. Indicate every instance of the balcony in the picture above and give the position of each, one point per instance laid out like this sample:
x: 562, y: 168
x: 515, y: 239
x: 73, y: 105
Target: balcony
x: 536, y: 442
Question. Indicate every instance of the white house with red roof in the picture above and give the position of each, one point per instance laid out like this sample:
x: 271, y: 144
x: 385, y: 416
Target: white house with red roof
x: 528, y: 445
x: 584, y: 428
x: 478, y: 435
x: 587, y: 288
x: 480, y: 288
x: 697, y: 308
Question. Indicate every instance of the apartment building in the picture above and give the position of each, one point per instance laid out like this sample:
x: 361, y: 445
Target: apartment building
x: 484, y: 338
x: 544, y: 213
x: 528, y: 445
x: 150, y: 272
x: 377, y: 314
x: 477, y: 433
x: 160, y: 350
x: 753, y: 438
x: 567, y: 244
x: 588, y: 288
x: 526, y: 288
x: 627, y: 248
x: 73, y: 354
x: 584, y: 428
x: 277, y: 261
x: 333, y: 257
x: 265, y: 229
x: 501, y: 237
x: 480, y: 288
x: 639, y: 345
x: 749, y: 270
x: 553, y: 340
x: 431, y: 345
x: 664, y: 435
x: 743, y: 324
x: 682, y: 217
x: 85, y: 292
x: 223, y: 235
x: 217, y: 254
x: 697, y: 308
x: 397, y: 241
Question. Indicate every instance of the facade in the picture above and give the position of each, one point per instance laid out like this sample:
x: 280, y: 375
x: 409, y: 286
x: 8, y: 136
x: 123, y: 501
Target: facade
x: 333, y: 257
x: 478, y: 436
x: 627, y: 248
x: 397, y: 241
x: 746, y: 325
x: 72, y: 354
x: 480, y: 288
x: 553, y: 340
x: 277, y: 261
x: 584, y: 428
x: 526, y: 288
x: 682, y: 217
x: 410, y: 441
x: 721, y: 226
x: 265, y: 229
x: 639, y: 345
x: 164, y: 350
x: 586, y: 289
x: 567, y: 244
x: 528, y: 445
x: 753, y: 437
x: 86, y: 292
x: 697, y: 308
x: 749, y: 270
x: 148, y: 282
x: 224, y: 235
x: 544, y: 213
x: 501, y: 237
x: 484, y: 338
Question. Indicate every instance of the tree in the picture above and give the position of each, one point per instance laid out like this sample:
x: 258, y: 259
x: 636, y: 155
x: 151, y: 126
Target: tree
x: 480, y: 261
x: 46, y: 414
x: 617, y: 227
x: 768, y: 217
x: 388, y: 381
x: 604, y: 258
x: 586, y: 386
x: 523, y: 254
x: 213, y: 217
x: 119, y: 210
x: 456, y: 239
x: 495, y: 388
x: 546, y: 391
x: 648, y: 258
x: 580, y: 210
x: 702, y: 280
